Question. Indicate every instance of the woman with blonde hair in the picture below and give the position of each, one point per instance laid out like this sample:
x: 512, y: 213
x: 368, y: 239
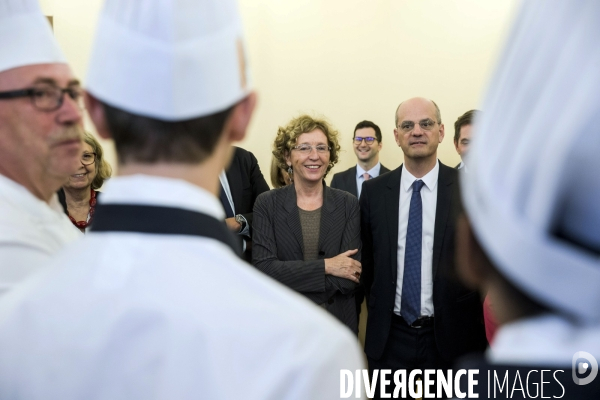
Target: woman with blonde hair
x: 306, y: 234
x: 78, y: 195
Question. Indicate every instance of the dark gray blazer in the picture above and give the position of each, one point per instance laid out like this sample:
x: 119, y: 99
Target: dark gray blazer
x: 346, y: 180
x: 278, y: 247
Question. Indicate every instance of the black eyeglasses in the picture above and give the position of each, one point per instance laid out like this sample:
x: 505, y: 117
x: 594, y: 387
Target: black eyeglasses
x: 46, y: 97
x: 368, y: 139
x: 88, y: 158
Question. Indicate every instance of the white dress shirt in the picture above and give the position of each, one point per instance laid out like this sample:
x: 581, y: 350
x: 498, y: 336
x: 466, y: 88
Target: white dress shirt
x: 227, y: 190
x: 124, y: 315
x: 31, y: 231
x: 429, y: 201
x: 374, y: 172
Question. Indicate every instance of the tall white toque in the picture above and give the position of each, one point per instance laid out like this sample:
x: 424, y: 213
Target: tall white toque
x: 169, y: 59
x: 533, y: 189
x: 25, y: 36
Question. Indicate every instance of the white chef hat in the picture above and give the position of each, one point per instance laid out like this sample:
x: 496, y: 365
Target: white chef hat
x: 169, y: 59
x: 25, y: 36
x: 534, y: 163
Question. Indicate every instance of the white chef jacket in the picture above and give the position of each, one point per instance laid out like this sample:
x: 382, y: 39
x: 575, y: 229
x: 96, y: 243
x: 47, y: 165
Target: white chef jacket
x: 31, y: 231
x: 549, y: 340
x: 147, y: 316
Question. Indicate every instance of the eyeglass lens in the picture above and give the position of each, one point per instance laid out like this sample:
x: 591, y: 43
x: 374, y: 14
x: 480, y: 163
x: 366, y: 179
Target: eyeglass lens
x: 306, y: 149
x: 88, y: 158
x: 368, y: 139
x: 50, y: 98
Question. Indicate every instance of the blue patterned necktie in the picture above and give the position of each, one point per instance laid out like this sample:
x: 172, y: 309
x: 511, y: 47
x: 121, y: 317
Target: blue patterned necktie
x: 411, y: 282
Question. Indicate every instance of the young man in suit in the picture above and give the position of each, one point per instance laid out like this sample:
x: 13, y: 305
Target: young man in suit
x: 367, y: 145
x: 241, y: 183
x: 419, y: 317
x: 462, y: 135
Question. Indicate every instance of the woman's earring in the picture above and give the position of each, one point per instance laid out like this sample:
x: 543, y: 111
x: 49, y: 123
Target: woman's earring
x: 290, y: 171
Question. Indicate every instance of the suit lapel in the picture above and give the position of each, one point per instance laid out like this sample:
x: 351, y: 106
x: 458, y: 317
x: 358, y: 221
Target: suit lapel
x: 351, y: 181
x: 327, y: 217
x: 442, y: 211
x: 392, y: 203
x: 293, y: 217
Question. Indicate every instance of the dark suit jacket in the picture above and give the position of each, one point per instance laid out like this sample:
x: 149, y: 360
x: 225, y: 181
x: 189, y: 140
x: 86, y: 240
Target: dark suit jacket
x: 278, y: 247
x: 246, y: 182
x: 458, y: 314
x: 346, y: 180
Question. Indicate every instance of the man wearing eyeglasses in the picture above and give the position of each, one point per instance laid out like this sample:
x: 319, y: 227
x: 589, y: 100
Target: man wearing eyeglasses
x: 419, y: 316
x: 367, y: 145
x: 40, y: 141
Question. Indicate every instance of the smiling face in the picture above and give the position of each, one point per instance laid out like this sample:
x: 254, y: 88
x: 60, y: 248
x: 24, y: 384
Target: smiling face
x: 39, y: 149
x: 309, y: 168
x: 85, y: 175
x: 418, y: 132
x: 366, y: 152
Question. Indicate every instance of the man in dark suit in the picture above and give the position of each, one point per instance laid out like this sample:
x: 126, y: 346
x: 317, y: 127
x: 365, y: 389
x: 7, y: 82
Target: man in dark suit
x: 419, y: 316
x: 241, y: 184
x: 367, y: 144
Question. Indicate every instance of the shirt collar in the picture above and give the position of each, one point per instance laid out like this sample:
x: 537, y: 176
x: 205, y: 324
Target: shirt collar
x: 168, y: 192
x: 373, y: 171
x: 430, y: 179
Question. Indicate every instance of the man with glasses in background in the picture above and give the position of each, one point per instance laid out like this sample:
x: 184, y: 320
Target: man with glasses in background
x: 419, y: 316
x: 40, y: 141
x: 367, y: 145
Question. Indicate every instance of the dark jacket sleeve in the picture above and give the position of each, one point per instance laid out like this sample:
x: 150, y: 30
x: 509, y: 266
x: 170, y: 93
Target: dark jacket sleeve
x: 350, y: 241
x: 258, y: 185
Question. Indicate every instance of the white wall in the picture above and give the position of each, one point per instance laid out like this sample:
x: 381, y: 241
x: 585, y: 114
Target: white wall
x: 348, y: 60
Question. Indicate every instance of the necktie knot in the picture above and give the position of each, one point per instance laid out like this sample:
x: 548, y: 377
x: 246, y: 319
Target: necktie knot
x: 366, y: 176
x: 417, y: 185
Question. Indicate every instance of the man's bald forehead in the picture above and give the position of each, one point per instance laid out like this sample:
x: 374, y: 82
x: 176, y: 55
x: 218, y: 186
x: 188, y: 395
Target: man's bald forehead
x: 438, y: 114
x: 59, y: 73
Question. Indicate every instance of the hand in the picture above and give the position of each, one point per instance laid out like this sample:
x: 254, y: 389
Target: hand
x: 233, y: 224
x: 344, y: 266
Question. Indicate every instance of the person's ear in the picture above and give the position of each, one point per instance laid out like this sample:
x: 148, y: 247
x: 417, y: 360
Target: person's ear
x: 240, y: 117
x: 442, y: 132
x: 470, y: 259
x: 97, y: 115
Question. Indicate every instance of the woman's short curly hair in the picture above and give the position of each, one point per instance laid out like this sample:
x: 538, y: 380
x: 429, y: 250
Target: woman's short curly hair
x: 103, y: 169
x: 287, y: 137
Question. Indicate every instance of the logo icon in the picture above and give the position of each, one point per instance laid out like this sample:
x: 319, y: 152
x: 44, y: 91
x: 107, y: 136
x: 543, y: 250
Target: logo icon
x: 585, y: 368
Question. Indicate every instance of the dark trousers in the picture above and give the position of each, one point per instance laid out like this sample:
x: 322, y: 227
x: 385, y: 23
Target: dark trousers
x: 407, y: 348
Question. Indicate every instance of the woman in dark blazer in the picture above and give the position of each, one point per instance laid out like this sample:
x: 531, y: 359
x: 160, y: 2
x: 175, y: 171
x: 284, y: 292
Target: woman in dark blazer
x: 307, y: 235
